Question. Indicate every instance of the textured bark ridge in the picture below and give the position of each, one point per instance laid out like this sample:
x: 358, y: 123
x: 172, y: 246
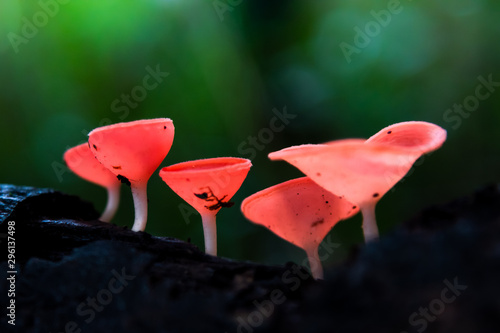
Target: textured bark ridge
x: 438, y: 272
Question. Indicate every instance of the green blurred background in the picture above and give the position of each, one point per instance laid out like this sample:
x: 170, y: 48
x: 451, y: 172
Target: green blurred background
x: 230, y: 63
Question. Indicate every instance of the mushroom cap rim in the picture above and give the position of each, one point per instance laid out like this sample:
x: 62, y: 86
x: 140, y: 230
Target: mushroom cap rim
x: 278, y: 188
x: 239, y: 163
x: 434, y: 143
x: 131, y: 124
x: 307, y: 149
x: 354, y: 143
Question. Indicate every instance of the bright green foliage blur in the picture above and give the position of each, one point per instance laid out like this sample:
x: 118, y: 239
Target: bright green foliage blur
x: 233, y: 65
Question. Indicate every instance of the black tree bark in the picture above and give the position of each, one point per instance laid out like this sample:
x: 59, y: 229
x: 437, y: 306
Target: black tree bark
x: 436, y: 273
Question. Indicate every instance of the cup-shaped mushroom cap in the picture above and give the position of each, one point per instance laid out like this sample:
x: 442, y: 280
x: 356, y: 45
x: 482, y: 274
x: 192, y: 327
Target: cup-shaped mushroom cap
x: 361, y: 172
x: 207, y: 184
x: 418, y: 136
x: 82, y: 162
x: 299, y: 211
x: 133, y: 150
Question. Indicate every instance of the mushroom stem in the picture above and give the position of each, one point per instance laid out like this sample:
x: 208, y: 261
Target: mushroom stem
x: 140, y: 195
x: 370, y: 229
x: 315, y: 263
x: 210, y: 233
x: 113, y: 202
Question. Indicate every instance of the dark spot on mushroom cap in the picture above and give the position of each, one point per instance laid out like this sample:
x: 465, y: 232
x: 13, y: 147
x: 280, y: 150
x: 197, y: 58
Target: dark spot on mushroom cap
x: 353, y: 207
x: 95, y: 147
x: 164, y: 127
x: 317, y: 222
x: 203, y: 195
x: 117, y: 167
x: 375, y: 195
x: 389, y: 132
x: 326, y: 201
x: 123, y: 179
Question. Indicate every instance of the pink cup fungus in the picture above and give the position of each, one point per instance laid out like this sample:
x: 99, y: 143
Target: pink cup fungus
x: 207, y: 185
x: 364, y: 170
x: 301, y: 212
x: 133, y: 151
x: 83, y: 163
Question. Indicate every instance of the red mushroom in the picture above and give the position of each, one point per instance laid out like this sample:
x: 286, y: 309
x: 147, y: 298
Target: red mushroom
x: 133, y: 151
x: 301, y: 212
x: 364, y: 170
x: 83, y: 163
x: 207, y: 185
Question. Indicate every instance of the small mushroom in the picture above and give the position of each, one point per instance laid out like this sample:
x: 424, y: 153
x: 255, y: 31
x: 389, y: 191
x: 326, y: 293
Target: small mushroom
x: 364, y: 170
x: 83, y: 163
x: 207, y: 185
x: 301, y: 212
x: 132, y: 152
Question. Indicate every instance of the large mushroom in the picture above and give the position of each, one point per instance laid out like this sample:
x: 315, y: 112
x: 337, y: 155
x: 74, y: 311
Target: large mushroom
x: 133, y: 151
x: 83, y: 163
x: 301, y: 212
x: 364, y: 170
x: 207, y: 185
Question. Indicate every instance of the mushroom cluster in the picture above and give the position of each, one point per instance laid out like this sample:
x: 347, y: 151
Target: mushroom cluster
x: 130, y: 152
x: 343, y: 177
x: 364, y: 170
x: 359, y: 171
